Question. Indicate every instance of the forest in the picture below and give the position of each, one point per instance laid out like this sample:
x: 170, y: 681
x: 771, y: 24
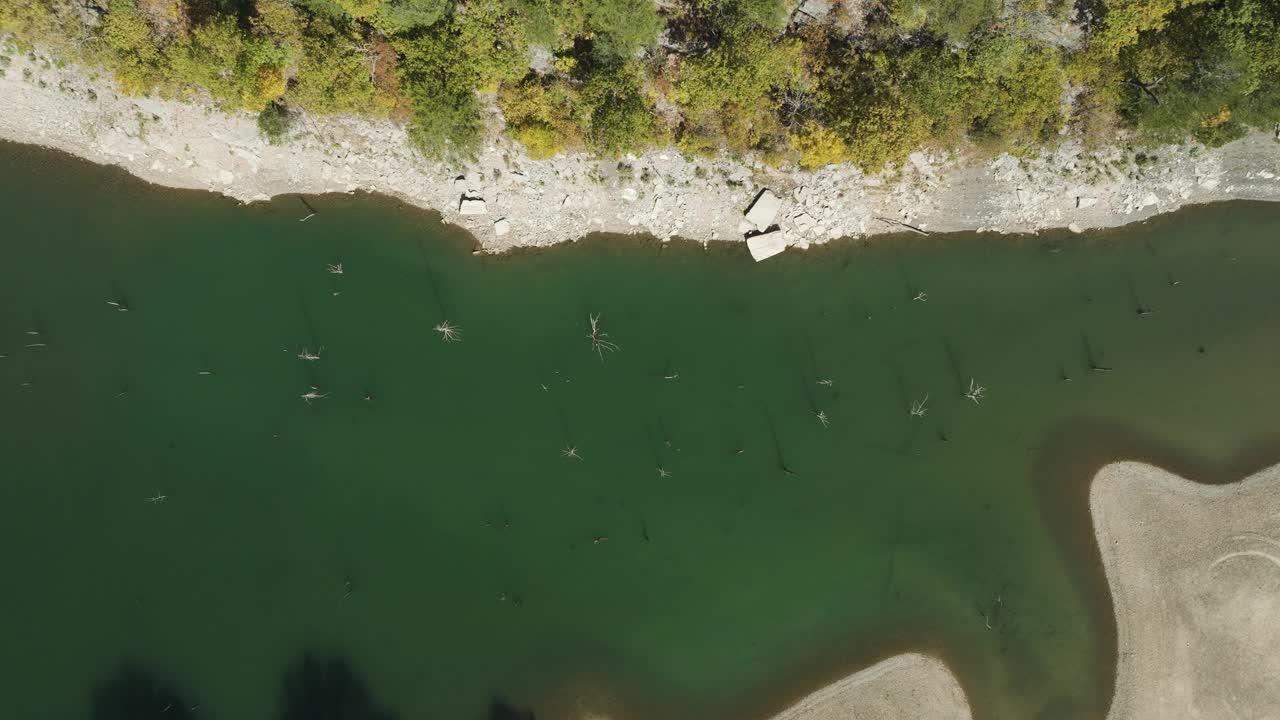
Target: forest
x: 791, y: 83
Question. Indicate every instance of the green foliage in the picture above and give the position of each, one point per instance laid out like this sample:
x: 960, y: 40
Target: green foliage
x: 47, y: 21
x: 622, y: 27
x: 360, y: 8
x: 131, y: 52
x: 274, y: 123
x: 333, y: 75
x: 818, y: 146
x: 444, y: 67
x: 732, y: 75
x: 729, y: 96
x: 1210, y: 71
x: 546, y: 116
x: 621, y: 117
x: 733, y: 17
x: 886, y: 104
x: 239, y: 69
x: 1016, y: 90
x: 397, y: 16
x: 954, y: 20
x: 553, y: 23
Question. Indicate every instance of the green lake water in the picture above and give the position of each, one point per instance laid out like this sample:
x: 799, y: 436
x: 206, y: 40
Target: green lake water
x: 420, y: 526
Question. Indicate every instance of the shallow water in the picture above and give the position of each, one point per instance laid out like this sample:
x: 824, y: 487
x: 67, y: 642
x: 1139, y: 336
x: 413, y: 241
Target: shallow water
x: 435, y: 540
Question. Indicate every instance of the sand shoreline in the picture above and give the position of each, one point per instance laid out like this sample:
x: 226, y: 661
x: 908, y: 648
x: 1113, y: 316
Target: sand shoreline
x: 1192, y: 571
x: 909, y: 685
x: 527, y: 203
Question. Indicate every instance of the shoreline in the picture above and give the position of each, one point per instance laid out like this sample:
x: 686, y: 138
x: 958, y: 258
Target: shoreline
x: 528, y: 203
x: 1192, y: 570
x: 908, y: 685
x: 1131, y: 504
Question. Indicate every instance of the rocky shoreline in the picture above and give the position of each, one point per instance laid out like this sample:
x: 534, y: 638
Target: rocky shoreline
x: 507, y: 200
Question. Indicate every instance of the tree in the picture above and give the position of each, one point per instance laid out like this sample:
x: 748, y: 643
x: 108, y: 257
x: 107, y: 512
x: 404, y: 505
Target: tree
x: 952, y: 20
x: 621, y: 118
x: 239, y: 69
x: 621, y: 27
x: 138, y: 64
x: 730, y: 96
x: 546, y: 115
x: 274, y: 123
x: 398, y: 16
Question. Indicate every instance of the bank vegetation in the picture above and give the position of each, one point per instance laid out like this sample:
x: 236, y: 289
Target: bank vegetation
x: 808, y: 83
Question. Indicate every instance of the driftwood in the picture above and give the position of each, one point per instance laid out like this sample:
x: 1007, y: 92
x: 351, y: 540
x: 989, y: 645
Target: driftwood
x: 901, y: 224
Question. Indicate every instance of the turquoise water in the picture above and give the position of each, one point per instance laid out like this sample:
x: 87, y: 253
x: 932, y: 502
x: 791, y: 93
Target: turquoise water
x: 420, y: 523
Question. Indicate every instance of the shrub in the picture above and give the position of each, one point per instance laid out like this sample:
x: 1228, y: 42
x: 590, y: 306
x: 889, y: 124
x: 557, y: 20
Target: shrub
x: 274, y: 122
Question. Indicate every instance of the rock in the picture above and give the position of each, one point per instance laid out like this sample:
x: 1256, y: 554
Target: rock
x: 764, y: 209
x: 1149, y: 199
x: 1266, y: 175
x: 541, y: 60
x: 501, y: 227
x: 1209, y: 183
x: 1075, y: 228
x: 814, y: 9
x: 630, y: 194
x: 920, y: 162
x: 1023, y: 195
x: 803, y: 221
x: 472, y: 206
x: 766, y: 245
x: 1085, y: 202
x: 745, y: 226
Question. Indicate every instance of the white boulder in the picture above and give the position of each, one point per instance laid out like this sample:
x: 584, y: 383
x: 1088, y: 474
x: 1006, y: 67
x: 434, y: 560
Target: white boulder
x: 766, y: 245
x: 472, y: 206
x: 501, y: 227
x: 764, y: 209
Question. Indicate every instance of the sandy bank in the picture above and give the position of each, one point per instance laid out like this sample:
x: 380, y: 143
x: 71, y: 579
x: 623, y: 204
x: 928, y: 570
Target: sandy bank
x: 538, y: 203
x: 906, y: 686
x: 1194, y: 572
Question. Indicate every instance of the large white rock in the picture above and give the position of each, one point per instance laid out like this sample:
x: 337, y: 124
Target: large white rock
x: 471, y: 206
x: 501, y: 227
x: 764, y: 210
x: 1083, y: 202
x: 766, y: 245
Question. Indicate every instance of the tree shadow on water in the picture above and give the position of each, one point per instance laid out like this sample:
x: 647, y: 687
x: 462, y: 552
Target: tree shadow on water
x: 320, y: 687
x: 134, y: 693
x: 500, y: 709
